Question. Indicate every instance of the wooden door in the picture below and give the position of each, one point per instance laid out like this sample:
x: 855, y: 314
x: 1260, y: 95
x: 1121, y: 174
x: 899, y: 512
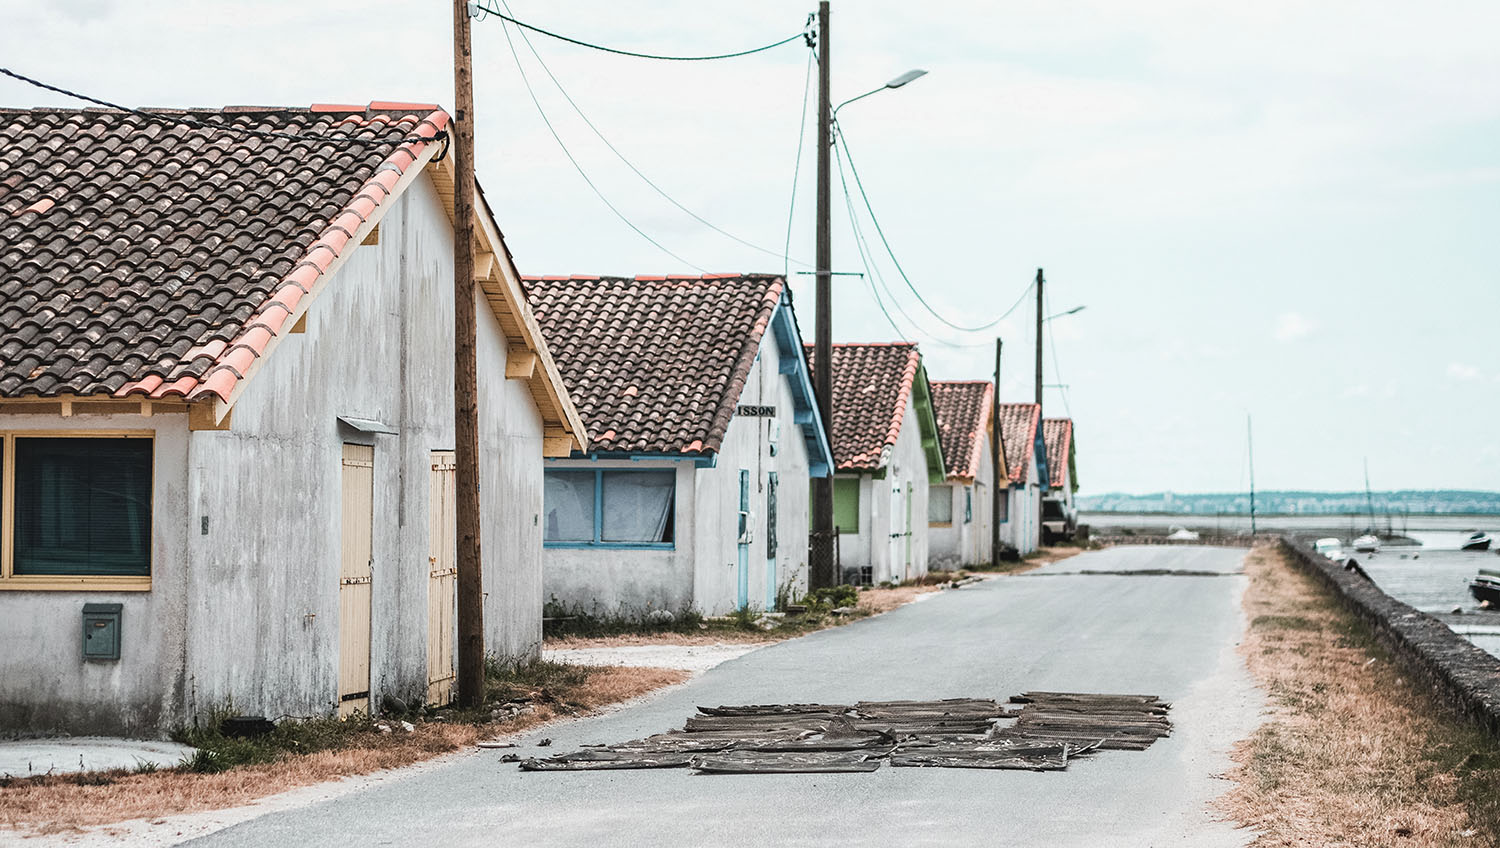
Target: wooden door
x: 442, y: 580
x: 355, y: 577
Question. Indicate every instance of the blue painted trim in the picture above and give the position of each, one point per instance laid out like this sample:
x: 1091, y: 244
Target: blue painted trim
x: 598, y: 541
x: 618, y: 546
x: 805, y: 405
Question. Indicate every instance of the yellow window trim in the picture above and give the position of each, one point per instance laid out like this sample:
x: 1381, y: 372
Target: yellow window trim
x: 940, y: 524
x: 9, y: 580
x: 64, y: 583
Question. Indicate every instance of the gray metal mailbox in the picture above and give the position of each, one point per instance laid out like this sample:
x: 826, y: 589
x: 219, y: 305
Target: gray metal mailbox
x: 101, y: 631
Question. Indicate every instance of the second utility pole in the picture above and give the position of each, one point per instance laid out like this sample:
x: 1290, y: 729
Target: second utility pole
x: 997, y: 453
x: 1039, y: 320
x: 470, y: 588
x: 824, y: 571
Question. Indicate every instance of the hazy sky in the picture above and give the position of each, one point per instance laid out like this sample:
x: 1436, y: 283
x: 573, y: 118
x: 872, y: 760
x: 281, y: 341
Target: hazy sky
x: 1285, y: 208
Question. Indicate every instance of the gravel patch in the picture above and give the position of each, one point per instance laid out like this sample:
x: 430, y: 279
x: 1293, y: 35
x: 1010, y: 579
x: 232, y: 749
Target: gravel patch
x: 694, y: 658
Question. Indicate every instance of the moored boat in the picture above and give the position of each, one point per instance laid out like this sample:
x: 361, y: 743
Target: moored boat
x: 1485, y: 587
x: 1329, y: 547
x: 1367, y: 544
x: 1477, y: 541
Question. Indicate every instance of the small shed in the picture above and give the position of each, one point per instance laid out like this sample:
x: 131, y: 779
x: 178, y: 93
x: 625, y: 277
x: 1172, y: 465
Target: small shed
x: 1026, y: 461
x: 959, y: 514
x: 887, y: 453
x: 693, y: 491
x: 226, y: 413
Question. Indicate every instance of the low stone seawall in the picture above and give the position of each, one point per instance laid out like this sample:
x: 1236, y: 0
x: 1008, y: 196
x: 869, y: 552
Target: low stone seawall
x: 1236, y: 541
x: 1465, y: 676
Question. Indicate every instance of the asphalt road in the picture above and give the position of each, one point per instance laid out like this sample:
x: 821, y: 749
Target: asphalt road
x: 1054, y: 629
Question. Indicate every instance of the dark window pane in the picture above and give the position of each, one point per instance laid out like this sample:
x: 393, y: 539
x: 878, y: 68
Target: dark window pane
x: 83, y: 506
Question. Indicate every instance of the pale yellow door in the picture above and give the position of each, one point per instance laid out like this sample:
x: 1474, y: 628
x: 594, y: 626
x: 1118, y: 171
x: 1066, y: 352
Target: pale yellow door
x: 355, y: 579
x: 442, y: 579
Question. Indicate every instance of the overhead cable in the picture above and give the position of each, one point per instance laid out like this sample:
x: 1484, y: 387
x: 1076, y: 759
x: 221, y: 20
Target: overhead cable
x: 579, y: 168
x: 786, y: 251
x: 870, y: 272
x: 859, y: 184
x: 621, y: 156
x: 490, y: 10
x: 179, y: 120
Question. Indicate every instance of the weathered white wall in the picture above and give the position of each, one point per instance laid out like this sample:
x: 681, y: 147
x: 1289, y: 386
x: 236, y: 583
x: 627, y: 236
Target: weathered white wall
x: 1024, y: 529
x: 608, y: 582
x: 378, y: 345
x: 45, y: 685
x: 244, y: 608
x: 747, y: 445
x: 960, y: 544
x: 872, y: 545
x: 703, y: 570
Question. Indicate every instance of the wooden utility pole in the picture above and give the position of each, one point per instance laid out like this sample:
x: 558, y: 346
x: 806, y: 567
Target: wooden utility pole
x: 465, y: 378
x: 1039, y: 320
x: 996, y: 455
x: 824, y: 571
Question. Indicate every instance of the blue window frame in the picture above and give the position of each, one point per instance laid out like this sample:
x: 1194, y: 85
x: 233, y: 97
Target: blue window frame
x: 610, y: 508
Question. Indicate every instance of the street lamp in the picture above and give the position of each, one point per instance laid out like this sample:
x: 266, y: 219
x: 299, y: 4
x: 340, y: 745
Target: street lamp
x: 905, y: 78
x: 1072, y: 311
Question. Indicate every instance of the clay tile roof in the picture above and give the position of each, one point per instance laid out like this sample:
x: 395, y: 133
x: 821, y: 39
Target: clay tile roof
x: 963, y: 413
x: 655, y: 364
x: 1058, y: 433
x: 152, y: 258
x: 1018, y: 423
x: 871, y: 384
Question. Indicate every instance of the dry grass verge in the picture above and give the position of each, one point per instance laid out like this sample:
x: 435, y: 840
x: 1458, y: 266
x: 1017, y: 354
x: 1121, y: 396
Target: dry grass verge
x: 62, y: 803
x: 1352, y: 753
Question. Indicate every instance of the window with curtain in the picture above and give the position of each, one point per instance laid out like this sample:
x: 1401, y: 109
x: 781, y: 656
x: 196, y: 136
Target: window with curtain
x: 1004, y: 495
x: 968, y: 504
x: 568, y: 504
x: 940, y: 505
x: 609, y: 507
x: 82, y: 506
x: 637, y: 505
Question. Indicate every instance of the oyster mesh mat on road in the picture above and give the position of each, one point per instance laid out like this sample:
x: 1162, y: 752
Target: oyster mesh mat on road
x: 1048, y: 730
x: 1171, y: 636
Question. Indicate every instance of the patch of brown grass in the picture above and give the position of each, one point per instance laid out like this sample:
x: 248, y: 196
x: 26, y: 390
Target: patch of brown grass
x: 62, y: 803
x: 1352, y: 753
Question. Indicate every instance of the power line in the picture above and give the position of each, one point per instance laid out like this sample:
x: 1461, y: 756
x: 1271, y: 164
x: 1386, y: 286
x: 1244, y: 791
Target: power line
x: 179, y: 120
x: 621, y: 156
x: 579, y: 168
x: 872, y: 270
x: 841, y: 139
x: 859, y: 244
x: 791, y: 211
x: 488, y: 10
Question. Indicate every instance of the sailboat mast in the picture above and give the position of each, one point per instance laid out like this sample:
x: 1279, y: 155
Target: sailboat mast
x: 1250, y: 442
x: 1369, y: 500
